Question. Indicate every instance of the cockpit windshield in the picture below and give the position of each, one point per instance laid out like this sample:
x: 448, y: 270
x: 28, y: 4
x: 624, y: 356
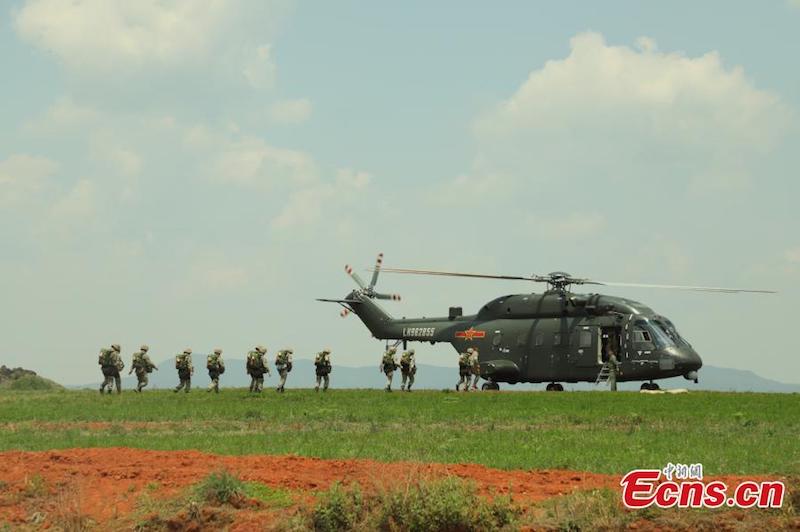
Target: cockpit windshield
x: 650, y: 328
x: 669, y: 328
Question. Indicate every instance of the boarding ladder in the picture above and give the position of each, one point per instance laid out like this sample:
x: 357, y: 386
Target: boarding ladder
x: 605, y: 371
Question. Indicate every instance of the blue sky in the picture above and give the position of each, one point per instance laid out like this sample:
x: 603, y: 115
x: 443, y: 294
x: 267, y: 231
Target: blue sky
x: 196, y: 172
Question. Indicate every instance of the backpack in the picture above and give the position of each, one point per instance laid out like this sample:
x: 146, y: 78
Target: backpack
x: 182, y: 362
x: 255, y: 361
x: 107, y: 358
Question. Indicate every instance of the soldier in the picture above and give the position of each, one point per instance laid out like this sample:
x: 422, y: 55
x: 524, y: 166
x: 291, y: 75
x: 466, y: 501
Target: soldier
x: 256, y: 367
x: 111, y: 364
x: 475, y: 368
x: 464, y: 370
x: 283, y: 363
x: 322, y: 363
x: 387, y: 366
x: 183, y: 363
x: 216, y: 367
x: 408, y: 368
x: 613, y: 369
x: 142, y: 365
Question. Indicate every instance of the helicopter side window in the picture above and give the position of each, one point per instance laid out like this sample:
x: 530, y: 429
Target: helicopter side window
x: 539, y: 340
x: 585, y: 339
x: 642, y: 336
x: 557, y: 339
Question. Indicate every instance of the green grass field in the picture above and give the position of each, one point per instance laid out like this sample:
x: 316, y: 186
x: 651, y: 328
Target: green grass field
x: 730, y: 433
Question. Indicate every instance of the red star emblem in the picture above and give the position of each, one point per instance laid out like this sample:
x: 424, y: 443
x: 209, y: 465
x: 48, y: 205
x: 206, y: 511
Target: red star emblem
x: 470, y: 333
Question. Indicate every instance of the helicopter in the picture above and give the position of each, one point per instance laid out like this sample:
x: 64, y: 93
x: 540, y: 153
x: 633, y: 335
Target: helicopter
x: 554, y: 336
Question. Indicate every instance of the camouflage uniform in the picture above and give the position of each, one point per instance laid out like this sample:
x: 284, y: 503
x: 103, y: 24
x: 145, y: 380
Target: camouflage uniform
x: 256, y: 367
x: 408, y: 367
x: 464, y: 370
x: 387, y: 367
x: 142, y: 365
x: 216, y: 367
x: 613, y: 368
x: 475, y: 368
x: 111, y: 364
x: 183, y: 363
x: 322, y: 365
x: 283, y: 363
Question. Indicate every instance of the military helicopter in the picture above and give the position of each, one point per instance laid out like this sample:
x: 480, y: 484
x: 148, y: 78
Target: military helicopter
x: 555, y: 336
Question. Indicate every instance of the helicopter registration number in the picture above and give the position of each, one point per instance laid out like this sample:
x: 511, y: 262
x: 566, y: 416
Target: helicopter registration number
x: 419, y: 332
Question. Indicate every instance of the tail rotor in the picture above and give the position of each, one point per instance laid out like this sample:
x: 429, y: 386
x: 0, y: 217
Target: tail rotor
x: 365, y: 290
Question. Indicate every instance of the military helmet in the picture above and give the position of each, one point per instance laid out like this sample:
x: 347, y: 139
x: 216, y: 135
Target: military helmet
x: 327, y: 350
x: 470, y: 350
x: 218, y: 351
x: 410, y: 351
x: 187, y: 351
x: 393, y: 350
x: 144, y: 347
x: 261, y: 349
x: 289, y: 350
x: 116, y: 347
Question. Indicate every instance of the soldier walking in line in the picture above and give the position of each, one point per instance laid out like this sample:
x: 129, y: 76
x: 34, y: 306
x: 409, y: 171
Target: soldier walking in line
x: 111, y: 364
x: 475, y: 367
x: 183, y: 363
x: 408, y: 368
x: 143, y: 366
x: 464, y: 370
x: 283, y: 363
x: 216, y: 367
x: 256, y: 367
x: 387, y: 366
x: 322, y: 365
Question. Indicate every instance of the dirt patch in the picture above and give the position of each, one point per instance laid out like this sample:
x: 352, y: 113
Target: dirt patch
x: 104, y: 484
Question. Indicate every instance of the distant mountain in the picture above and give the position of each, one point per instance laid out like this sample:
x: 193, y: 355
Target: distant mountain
x: 437, y: 378
x: 24, y: 379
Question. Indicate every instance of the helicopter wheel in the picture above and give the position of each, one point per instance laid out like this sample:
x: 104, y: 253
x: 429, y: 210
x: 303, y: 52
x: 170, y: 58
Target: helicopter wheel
x: 651, y: 386
x: 490, y: 386
x: 554, y: 387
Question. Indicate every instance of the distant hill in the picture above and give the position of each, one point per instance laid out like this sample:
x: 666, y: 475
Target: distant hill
x: 25, y: 379
x: 438, y: 378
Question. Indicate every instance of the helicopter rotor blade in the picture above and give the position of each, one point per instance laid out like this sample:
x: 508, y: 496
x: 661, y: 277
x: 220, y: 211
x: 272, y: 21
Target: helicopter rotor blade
x: 391, y: 297
x: 682, y: 287
x: 376, y: 271
x: 357, y: 278
x: 459, y: 274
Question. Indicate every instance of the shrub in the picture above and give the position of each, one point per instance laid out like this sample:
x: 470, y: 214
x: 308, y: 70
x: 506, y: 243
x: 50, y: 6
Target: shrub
x: 220, y: 487
x: 450, y: 504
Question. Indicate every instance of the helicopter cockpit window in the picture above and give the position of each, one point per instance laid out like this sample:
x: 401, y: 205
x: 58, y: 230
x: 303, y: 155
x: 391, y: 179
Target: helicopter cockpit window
x: 647, y: 332
x: 669, y: 329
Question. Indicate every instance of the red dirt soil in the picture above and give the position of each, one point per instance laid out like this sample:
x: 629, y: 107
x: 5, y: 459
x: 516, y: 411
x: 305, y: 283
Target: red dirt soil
x: 106, y: 482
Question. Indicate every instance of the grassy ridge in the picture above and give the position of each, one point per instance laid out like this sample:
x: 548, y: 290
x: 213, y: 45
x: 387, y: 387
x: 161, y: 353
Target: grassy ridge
x: 603, y: 432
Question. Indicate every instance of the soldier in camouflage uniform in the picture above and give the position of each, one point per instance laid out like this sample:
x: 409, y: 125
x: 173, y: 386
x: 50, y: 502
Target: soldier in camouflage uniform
x: 475, y: 367
x: 408, y: 368
x: 322, y: 368
x: 183, y: 363
x: 142, y: 365
x: 464, y: 370
x: 256, y: 367
x: 216, y: 367
x: 111, y: 364
x: 283, y: 363
x: 387, y: 367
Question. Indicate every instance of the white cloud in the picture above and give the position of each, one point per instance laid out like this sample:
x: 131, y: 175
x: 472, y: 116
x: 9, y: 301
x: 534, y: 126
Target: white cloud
x: 251, y: 161
x: 63, y: 115
x: 112, y: 33
x: 294, y: 111
x: 308, y: 205
x: 569, y: 225
x: 612, y: 112
x: 78, y: 204
x: 793, y: 256
x: 259, y: 68
x: 23, y: 176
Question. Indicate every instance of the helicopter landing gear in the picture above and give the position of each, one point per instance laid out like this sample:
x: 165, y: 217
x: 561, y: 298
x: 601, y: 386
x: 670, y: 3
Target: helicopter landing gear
x: 490, y: 386
x: 651, y: 386
x: 554, y: 387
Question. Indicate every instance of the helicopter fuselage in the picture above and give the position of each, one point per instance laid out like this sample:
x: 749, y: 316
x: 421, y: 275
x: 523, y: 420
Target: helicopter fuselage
x: 555, y: 336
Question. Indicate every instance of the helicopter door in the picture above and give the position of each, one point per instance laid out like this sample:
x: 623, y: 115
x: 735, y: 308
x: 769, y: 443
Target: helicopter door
x: 611, y: 342
x: 586, y: 342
